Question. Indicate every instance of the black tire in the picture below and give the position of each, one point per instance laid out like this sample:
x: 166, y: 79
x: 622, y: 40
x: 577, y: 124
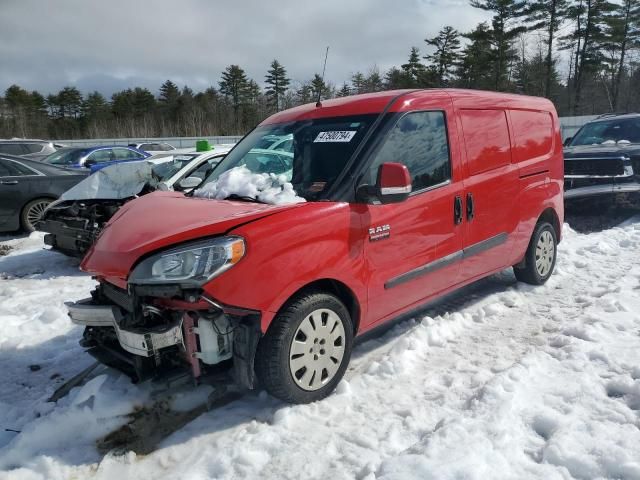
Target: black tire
x: 274, y: 362
x: 31, y: 210
x: 540, y: 258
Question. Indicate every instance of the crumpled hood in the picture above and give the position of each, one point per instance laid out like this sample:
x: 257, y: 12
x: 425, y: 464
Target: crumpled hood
x: 161, y: 220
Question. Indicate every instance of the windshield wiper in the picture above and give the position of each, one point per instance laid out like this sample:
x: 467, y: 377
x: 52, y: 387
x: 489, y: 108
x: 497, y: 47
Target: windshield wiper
x: 244, y: 198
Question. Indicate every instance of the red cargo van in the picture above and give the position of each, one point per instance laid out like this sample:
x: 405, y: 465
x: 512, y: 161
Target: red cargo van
x: 398, y: 197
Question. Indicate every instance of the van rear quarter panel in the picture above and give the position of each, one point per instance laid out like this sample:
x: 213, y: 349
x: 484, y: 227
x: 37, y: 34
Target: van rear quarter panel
x: 540, y: 175
x: 537, y: 148
x: 291, y: 249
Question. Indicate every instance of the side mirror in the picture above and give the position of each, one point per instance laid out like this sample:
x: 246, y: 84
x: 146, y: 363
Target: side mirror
x: 189, y: 182
x: 567, y: 141
x: 88, y: 163
x: 394, y: 183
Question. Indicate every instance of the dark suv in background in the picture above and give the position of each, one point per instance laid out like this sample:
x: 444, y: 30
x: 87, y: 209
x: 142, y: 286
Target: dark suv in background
x: 33, y: 149
x: 603, y: 159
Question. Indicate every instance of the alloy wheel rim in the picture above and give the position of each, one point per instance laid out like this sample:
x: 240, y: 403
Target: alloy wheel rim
x: 317, y: 349
x: 545, y: 252
x: 34, y: 215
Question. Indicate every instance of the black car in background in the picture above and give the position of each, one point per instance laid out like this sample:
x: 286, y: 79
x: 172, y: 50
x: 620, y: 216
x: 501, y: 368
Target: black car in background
x: 603, y: 159
x: 27, y: 187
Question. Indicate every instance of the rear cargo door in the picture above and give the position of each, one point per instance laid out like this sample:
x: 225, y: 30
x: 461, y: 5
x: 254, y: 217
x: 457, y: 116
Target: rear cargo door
x: 490, y: 191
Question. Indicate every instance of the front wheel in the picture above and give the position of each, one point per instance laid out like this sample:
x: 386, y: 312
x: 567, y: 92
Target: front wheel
x: 32, y: 213
x: 306, y: 349
x: 540, y: 258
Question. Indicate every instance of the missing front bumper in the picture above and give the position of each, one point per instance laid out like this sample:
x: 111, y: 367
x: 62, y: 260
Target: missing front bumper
x: 144, y: 344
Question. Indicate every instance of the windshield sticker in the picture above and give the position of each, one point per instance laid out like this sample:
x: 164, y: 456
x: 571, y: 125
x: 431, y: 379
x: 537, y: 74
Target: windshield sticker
x: 335, y: 136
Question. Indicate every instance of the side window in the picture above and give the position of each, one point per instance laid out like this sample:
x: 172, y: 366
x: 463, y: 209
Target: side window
x: 202, y: 171
x: 12, y: 149
x: 533, y: 134
x: 126, y: 154
x: 166, y: 147
x: 4, y: 169
x: 419, y: 141
x: 34, y: 147
x: 486, y: 138
x: 18, y: 169
x: 148, y: 146
x: 101, y: 156
x: 9, y: 168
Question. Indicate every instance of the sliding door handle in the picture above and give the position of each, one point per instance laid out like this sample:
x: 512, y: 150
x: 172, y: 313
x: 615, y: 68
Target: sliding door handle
x: 457, y: 210
x: 470, y: 207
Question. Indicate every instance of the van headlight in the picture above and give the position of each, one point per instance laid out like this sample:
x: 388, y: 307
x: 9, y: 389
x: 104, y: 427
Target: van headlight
x: 193, y: 264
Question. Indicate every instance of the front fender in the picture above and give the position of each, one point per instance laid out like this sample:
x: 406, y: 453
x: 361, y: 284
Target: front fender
x: 290, y: 250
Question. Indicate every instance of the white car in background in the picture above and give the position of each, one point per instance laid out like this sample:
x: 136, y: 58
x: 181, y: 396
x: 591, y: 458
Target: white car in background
x: 153, y: 147
x: 74, y: 221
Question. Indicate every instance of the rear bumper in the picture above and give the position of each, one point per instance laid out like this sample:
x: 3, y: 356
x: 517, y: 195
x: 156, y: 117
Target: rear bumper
x: 142, y: 343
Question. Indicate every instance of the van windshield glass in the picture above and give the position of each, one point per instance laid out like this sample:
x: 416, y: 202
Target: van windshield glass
x: 310, y: 154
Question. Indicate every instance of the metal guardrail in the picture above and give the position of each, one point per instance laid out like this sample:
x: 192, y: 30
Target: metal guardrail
x: 178, y: 142
x: 568, y: 126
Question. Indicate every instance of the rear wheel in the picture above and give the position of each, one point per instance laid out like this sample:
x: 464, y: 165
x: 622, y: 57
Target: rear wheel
x: 306, y: 350
x: 540, y: 259
x: 32, y: 213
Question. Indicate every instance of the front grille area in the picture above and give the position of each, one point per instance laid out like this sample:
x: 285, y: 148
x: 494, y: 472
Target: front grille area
x: 118, y: 296
x: 594, y: 166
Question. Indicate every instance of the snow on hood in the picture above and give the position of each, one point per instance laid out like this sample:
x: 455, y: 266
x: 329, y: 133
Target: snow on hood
x: 121, y: 180
x: 266, y: 187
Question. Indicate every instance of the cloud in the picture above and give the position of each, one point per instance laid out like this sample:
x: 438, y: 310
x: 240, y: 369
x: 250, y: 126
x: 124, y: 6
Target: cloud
x: 115, y: 44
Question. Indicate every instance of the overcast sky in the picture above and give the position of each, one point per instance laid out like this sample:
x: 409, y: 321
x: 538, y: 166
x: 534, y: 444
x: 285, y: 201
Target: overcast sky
x: 108, y: 45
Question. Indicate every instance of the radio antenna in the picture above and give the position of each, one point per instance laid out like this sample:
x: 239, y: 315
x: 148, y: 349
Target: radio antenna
x: 324, y: 68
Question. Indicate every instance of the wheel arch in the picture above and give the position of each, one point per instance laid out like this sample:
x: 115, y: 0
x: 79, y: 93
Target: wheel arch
x: 549, y: 215
x: 330, y: 285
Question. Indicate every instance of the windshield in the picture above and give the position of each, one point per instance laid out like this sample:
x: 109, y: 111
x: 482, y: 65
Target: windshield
x: 318, y: 151
x: 166, y: 170
x: 65, y: 156
x: 624, y: 130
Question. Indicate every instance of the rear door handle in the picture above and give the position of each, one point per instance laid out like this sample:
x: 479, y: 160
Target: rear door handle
x: 8, y: 182
x: 470, y: 207
x: 457, y: 210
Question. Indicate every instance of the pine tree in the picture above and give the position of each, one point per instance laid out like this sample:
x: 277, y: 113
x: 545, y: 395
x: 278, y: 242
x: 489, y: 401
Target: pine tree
x: 622, y: 33
x: 585, y: 40
x: 394, y: 78
x: 278, y: 83
x: 546, y: 15
x: 446, y: 55
x: 358, y: 82
x: 168, y: 100
x: 504, y: 31
x: 373, y: 82
x: 345, y: 90
x: 320, y: 90
x: 476, y: 67
x: 414, y: 72
x: 235, y: 86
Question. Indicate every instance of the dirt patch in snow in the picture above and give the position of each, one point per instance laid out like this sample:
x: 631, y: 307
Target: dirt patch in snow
x: 4, y: 250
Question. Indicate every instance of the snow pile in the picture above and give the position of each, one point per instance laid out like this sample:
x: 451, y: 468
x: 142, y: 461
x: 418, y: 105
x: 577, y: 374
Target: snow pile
x: 266, y: 187
x: 517, y: 382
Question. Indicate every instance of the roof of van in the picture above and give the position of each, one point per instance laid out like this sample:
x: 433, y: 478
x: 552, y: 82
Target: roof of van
x: 371, y: 103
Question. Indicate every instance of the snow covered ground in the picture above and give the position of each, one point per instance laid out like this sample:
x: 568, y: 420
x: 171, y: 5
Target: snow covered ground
x: 513, y: 382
